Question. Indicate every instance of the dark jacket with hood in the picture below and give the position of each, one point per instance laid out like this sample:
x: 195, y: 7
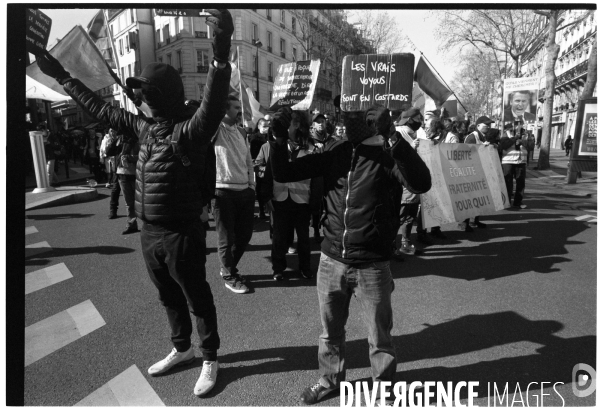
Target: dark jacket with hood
x: 360, y: 179
x: 168, y: 176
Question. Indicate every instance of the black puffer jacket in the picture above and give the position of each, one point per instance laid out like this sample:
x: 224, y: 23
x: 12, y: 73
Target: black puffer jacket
x: 166, y: 191
x: 359, y: 183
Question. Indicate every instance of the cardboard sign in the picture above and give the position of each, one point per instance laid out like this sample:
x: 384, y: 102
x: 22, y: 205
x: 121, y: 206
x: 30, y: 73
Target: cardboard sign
x: 37, y: 31
x: 461, y: 186
x: 520, y: 99
x: 384, y: 79
x: 182, y: 12
x: 295, y: 84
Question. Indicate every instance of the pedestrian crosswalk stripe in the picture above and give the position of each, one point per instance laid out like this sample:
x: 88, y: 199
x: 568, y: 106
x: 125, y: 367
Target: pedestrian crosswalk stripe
x: 584, y: 217
x: 80, y: 170
x: 129, y: 388
x: 46, y: 277
x: 30, y: 229
x: 48, y: 335
x: 37, y: 248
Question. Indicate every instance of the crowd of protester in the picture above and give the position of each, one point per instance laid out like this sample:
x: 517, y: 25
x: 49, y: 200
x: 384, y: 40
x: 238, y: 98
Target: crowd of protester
x: 193, y: 158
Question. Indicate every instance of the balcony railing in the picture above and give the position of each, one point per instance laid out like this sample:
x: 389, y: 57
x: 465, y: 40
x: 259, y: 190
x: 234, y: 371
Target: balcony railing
x: 283, y: 54
x: 201, y: 34
x: 202, y: 69
x: 572, y: 73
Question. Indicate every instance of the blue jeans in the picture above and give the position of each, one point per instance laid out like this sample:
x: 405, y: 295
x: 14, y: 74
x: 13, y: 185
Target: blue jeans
x: 233, y: 211
x: 372, y: 284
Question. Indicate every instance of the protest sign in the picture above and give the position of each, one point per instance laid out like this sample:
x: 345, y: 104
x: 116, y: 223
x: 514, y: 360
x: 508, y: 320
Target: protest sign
x: 384, y: 79
x: 37, y: 31
x: 467, y: 181
x: 182, y: 12
x: 520, y: 99
x: 295, y: 84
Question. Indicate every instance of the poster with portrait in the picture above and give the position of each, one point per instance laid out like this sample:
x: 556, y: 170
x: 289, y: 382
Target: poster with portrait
x: 586, y: 139
x: 520, y: 100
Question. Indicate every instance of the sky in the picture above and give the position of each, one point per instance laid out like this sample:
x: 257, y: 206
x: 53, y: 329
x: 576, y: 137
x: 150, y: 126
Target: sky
x: 419, y: 25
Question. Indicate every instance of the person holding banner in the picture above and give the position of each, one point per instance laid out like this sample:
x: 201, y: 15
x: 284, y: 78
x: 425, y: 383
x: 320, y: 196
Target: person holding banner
x: 514, y: 163
x: 168, y: 198
x: 359, y: 177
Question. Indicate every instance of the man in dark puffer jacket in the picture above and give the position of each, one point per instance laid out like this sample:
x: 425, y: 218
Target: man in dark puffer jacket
x: 359, y: 177
x: 168, y: 196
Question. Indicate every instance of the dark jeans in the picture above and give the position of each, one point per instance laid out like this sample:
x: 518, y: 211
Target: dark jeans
x: 233, y: 211
x: 175, y: 258
x: 284, y: 223
x: 126, y: 184
x: 518, y: 173
x: 372, y: 284
x: 261, y: 203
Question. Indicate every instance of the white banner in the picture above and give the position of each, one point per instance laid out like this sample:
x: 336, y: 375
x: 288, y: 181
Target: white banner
x: 467, y: 181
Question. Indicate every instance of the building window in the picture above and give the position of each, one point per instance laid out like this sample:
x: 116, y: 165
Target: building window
x: 270, y: 96
x: 123, y: 73
x: 127, y: 42
x: 157, y: 35
x: 169, y: 60
x: 269, y: 41
x: 120, y: 47
x: 254, y: 32
x: 294, y: 54
x: 255, y: 65
x: 160, y: 59
x: 270, y: 70
x: 294, y: 25
x: 179, y: 65
x: 202, y: 61
x: 199, y: 91
x: 282, y: 18
x: 282, y: 47
x: 167, y: 34
x: 269, y: 16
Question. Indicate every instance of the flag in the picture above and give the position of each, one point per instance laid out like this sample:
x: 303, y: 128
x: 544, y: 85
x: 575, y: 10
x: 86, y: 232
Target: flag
x: 430, y: 83
x: 252, y: 110
x: 98, y: 32
x: 79, y: 56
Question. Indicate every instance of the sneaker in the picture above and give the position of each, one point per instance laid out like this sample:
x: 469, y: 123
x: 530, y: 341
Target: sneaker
x: 174, y: 358
x: 207, y: 379
x: 112, y: 214
x: 291, y: 250
x: 131, y: 228
x: 278, y: 276
x: 407, y: 248
x: 314, y: 394
x: 306, y: 274
x: 438, y: 234
x: 234, y: 284
x: 519, y: 207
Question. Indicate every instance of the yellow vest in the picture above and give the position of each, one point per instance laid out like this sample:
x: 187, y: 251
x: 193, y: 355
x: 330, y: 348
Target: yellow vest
x: 298, y: 191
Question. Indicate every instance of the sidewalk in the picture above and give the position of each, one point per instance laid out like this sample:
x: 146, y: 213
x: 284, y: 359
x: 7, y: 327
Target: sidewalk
x: 72, y: 189
x: 556, y: 177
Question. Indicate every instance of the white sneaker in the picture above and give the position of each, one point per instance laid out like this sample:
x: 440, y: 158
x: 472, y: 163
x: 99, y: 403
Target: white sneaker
x: 174, y: 358
x: 207, y: 379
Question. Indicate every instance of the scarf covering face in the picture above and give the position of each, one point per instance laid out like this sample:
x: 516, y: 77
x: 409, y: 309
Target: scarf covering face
x: 357, y: 129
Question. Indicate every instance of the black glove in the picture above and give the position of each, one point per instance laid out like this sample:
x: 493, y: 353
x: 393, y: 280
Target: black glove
x: 281, y: 123
x: 132, y: 96
x: 52, y: 67
x: 222, y: 24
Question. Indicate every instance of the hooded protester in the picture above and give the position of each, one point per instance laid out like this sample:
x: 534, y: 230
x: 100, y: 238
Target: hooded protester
x: 359, y: 177
x: 168, y: 195
x: 318, y: 131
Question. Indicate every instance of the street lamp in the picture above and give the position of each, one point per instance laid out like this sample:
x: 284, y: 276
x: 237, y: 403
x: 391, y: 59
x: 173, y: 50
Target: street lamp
x: 258, y: 44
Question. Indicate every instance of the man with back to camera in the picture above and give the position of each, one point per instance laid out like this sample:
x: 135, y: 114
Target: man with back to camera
x: 517, y: 105
x: 168, y: 197
x: 360, y: 177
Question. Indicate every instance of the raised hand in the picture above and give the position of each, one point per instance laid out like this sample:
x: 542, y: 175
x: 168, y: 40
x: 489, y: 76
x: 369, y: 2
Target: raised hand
x: 281, y: 123
x: 222, y: 23
x: 52, y: 67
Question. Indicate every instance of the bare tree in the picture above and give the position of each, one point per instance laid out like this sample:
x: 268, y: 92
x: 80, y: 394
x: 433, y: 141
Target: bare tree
x: 592, y: 72
x: 380, y: 29
x: 551, y: 28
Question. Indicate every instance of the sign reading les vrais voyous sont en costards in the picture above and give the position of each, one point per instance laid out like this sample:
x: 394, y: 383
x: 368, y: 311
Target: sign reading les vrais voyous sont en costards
x: 37, y: 31
x: 383, y: 79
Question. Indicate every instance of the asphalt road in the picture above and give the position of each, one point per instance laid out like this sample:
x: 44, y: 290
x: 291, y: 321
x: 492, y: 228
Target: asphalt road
x: 514, y: 303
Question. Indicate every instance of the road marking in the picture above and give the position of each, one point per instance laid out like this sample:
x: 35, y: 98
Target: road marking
x: 43, y: 278
x: 30, y: 229
x: 37, y: 248
x: 80, y: 170
x: 129, y: 388
x: 48, y: 335
x: 584, y: 217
